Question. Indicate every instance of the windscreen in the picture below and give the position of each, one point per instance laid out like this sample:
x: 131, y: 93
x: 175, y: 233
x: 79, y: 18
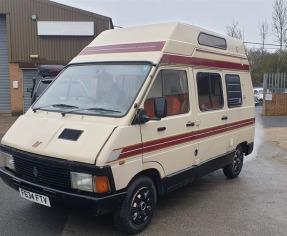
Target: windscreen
x: 95, y: 89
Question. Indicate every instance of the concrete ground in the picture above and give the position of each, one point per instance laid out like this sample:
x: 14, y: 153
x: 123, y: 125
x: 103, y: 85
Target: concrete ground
x: 252, y: 204
x: 5, y: 123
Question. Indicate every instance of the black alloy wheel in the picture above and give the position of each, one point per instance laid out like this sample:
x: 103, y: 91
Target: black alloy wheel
x: 141, y: 207
x: 234, y: 169
x: 138, y: 208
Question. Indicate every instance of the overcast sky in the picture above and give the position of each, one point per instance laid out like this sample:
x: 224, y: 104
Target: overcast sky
x: 214, y: 15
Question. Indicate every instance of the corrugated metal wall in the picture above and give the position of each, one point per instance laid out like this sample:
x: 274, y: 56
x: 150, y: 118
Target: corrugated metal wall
x: 25, y: 41
x: 5, y: 100
x: 27, y: 78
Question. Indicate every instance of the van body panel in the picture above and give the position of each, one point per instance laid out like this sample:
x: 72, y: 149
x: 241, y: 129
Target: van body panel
x: 168, y: 142
x: 241, y: 120
x: 211, y: 125
x: 154, y: 166
x: 131, y: 167
x: 124, y: 144
x: 123, y: 152
x: 153, y: 57
x: 179, y: 39
x: 162, y: 32
x: 185, y: 176
x: 219, y: 56
x: 168, y: 147
x: 44, y: 139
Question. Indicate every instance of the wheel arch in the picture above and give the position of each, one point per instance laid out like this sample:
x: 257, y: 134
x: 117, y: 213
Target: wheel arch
x: 245, y: 147
x: 155, y: 172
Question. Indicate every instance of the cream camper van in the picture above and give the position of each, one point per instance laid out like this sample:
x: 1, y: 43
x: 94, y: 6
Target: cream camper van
x: 141, y: 111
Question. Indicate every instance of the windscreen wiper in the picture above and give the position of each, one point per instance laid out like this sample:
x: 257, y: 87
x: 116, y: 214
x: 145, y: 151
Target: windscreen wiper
x: 91, y: 109
x: 61, y: 105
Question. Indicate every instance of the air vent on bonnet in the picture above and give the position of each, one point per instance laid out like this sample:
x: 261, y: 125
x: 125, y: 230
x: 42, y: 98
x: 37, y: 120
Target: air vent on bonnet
x: 70, y: 134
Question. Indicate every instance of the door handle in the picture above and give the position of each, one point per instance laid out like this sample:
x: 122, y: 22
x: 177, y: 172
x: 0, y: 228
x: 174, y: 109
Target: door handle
x: 190, y: 124
x: 224, y: 118
x: 161, y: 129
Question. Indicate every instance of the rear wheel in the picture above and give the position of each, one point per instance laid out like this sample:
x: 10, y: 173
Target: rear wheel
x: 138, y: 207
x: 234, y: 169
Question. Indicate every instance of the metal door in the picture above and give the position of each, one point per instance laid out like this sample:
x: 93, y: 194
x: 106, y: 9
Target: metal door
x: 5, y: 98
x: 211, y: 115
x: 170, y: 140
x: 27, y: 78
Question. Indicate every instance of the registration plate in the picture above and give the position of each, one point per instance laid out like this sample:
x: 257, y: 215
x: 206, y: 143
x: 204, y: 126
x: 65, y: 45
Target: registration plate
x: 35, y: 197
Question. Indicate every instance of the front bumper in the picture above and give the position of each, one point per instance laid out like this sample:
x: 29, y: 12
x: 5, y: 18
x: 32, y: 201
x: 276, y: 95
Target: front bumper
x: 89, y: 203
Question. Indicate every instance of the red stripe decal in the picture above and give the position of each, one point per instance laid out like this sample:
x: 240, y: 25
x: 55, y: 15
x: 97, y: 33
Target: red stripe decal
x: 221, y: 54
x: 122, y: 48
x: 182, y: 138
x: 194, y: 61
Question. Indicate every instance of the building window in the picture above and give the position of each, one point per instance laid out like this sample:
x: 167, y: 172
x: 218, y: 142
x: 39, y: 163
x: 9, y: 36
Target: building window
x: 233, y: 87
x: 209, y: 88
x: 173, y: 85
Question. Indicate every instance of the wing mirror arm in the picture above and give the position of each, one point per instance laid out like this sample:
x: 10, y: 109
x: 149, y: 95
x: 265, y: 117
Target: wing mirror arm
x: 141, y: 117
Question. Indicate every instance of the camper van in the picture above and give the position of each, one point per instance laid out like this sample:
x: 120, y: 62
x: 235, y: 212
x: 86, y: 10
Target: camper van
x: 140, y: 112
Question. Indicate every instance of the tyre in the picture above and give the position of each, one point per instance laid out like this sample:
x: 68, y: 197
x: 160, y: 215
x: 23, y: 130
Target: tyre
x: 234, y: 169
x: 138, y: 208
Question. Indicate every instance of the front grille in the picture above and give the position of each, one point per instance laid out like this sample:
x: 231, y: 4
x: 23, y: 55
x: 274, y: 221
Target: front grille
x: 42, y: 173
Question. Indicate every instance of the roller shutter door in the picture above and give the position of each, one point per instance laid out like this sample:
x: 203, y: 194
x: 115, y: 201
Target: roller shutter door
x: 27, y: 78
x: 5, y: 98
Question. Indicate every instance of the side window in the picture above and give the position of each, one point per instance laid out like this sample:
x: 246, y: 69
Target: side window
x: 42, y: 86
x: 234, y: 94
x: 173, y: 85
x: 209, y: 88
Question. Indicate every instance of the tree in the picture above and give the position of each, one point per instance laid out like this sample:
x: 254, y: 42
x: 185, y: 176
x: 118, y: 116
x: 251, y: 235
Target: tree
x: 262, y: 61
x: 280, y: 21
x: 234, y: 31
x: 280, y: 29
x: 263, y: 28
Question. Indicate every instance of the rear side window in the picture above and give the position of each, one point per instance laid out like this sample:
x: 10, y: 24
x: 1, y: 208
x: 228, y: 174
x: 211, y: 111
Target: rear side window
x: 234, y: 93
x: 209, y: 89
x: 212, y: 41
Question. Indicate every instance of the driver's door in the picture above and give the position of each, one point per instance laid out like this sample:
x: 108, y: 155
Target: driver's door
x: 169, y: 141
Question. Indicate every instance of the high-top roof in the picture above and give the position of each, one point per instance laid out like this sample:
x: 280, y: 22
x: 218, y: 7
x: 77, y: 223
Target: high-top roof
x: 162, y: 32
x: 152, y: 42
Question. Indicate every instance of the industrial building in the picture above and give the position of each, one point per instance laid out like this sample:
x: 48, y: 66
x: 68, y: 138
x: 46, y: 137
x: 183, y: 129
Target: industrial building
x: 39, y: 32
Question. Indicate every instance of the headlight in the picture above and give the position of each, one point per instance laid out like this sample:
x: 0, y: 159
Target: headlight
x: 87, y: 182
x: 7, y: 160
x: 82, y: 181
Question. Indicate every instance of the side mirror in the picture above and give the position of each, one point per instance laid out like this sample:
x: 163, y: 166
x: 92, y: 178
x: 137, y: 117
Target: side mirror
x: 160, y: 111
x: 160, y: 107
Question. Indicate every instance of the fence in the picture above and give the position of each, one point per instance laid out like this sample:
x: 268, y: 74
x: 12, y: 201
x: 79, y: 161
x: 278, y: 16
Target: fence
x: 275, y: 83
x: 275, y: 94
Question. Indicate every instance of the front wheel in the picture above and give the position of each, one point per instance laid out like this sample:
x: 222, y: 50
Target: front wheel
x: 234, y: 169
x: 138, y: 208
